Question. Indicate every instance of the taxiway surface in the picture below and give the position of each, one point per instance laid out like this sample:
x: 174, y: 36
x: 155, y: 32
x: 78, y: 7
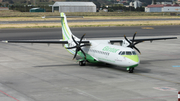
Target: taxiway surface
x: 41, y: 73
x: 94, y: 32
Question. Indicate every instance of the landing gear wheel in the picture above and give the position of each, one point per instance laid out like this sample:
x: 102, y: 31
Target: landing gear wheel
x: 82, y: 63
x: 131, y: 70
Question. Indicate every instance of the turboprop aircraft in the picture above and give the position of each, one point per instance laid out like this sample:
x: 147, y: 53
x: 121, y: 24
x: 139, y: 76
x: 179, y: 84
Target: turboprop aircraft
x: 98, y: 51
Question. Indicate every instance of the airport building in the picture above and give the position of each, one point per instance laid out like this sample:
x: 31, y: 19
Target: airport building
x: 74, y: 7
x: 135, y: 4
x: 163, y: 8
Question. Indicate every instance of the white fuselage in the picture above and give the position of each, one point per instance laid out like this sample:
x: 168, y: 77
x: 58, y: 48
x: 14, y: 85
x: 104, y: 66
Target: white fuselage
x: 107, y: 53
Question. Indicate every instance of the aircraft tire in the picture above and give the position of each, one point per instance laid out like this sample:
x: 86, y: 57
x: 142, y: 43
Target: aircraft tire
x: 131, y: 70
x: 82, y: 63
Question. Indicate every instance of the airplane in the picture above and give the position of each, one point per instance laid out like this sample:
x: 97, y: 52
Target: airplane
x: 98, y: 51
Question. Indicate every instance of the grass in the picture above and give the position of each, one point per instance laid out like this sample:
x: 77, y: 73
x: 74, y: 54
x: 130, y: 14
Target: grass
x: 11, y: 13
x: 34, y: 16
x: 28, y: 16
x: 86, y: 18
x: 93, y: 24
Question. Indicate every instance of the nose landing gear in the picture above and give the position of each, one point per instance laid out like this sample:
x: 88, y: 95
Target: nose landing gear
x: 82, y: 63
x: 130, y: 70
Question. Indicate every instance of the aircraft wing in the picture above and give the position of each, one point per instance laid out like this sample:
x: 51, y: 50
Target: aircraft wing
x: 36, y: 41
x: 40, y: 41
x: 152, y: 39
x: 147, y: 39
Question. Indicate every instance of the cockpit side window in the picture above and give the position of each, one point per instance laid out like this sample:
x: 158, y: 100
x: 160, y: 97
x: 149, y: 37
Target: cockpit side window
x: 134, y: 53
x: 120, y: 52
x: 128, y: 53
x: 123, y: 53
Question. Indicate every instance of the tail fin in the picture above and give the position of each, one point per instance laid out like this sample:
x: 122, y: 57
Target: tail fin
x: 66, y: 32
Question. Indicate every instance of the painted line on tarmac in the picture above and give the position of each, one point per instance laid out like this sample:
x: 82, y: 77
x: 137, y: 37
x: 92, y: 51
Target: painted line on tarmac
x: 9, y: 95
x: 149, y: 98
x: 165, y: 88
x: 147, y: 27
x: 176, y: 66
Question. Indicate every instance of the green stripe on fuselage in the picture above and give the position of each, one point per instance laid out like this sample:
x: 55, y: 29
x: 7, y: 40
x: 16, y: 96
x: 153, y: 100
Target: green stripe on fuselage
x: 88, y: 57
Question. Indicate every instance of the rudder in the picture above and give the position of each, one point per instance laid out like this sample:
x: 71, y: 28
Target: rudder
x: 66, y: 32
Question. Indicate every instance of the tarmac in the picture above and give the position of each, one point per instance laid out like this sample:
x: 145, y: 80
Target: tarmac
x: 40, y: 72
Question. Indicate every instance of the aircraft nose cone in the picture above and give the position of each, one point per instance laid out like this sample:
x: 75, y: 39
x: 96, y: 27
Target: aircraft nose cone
x: 132, y: 60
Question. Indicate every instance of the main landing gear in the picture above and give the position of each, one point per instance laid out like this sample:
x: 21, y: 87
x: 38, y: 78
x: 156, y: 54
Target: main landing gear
x: 131, y: 70
x: 82, y: 63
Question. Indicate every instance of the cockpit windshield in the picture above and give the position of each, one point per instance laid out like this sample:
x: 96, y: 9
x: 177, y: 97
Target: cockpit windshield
x: 127, y: 53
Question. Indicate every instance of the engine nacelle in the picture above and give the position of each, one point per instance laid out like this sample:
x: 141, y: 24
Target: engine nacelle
x: 125, y: 43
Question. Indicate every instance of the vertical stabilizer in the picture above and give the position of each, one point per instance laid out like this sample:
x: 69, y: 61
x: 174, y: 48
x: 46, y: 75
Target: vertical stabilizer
x: 66, y: 32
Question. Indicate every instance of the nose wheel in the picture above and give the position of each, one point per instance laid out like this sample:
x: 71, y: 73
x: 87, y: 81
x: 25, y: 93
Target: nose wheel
x: 131, y: 70
x: 82, y: 63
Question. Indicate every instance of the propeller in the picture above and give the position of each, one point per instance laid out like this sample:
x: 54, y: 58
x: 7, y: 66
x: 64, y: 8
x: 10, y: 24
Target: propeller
x: 133, y: 43
x: 78, y: 46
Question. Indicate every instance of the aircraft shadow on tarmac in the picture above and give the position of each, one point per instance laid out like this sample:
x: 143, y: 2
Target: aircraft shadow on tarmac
x: 46, y: 66
x: 98, y: 67
x: 156, y: 60
x: 139, y: 69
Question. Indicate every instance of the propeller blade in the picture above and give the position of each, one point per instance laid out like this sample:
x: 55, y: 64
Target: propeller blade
x: 78, y: 46
x: 85, y: 45
x: 132, y: 44
x: 81, y: 39
x: 83, y: 52
x: 134, y: 37
x: 75, y: 54
x: 74, y: 40
x: 70, y: 47
x: 127, y: 39
x: 137, y: 50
